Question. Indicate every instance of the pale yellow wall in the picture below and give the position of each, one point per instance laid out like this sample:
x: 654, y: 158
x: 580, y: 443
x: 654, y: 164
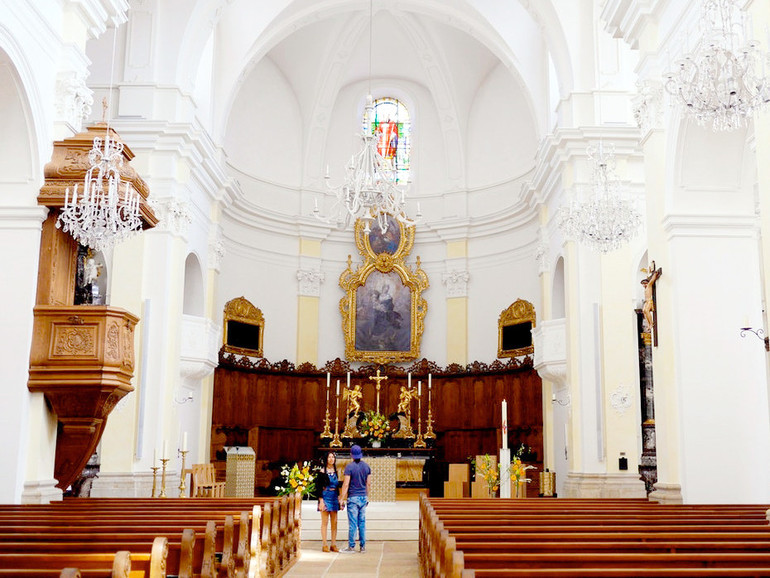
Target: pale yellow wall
x: 308, y: 307
x: 457, y: 312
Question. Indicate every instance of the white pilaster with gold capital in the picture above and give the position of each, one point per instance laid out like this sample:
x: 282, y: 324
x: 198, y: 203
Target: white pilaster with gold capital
x: 456, y: 280
x: 309, y: 278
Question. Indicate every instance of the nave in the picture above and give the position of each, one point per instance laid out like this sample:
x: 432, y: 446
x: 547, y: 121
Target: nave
x: 458, y: 538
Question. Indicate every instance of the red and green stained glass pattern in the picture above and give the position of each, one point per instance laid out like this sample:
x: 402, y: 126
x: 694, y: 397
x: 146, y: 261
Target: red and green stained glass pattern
x: 393, y: 129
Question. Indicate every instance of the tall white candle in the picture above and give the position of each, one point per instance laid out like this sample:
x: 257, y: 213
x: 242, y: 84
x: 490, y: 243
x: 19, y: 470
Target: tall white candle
x: 164, y: 455
x: 348, y: 380
x: 505, y: 425
x: 409, y: 380
x: 184, y: 441
x: 430, y: 380
x: 328, y: 380
x: 338, y: 388
x: 154, y: 457
x: 419, y: 388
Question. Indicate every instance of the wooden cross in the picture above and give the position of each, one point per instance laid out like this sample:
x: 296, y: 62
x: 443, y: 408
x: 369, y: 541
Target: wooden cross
x: 378, y: 378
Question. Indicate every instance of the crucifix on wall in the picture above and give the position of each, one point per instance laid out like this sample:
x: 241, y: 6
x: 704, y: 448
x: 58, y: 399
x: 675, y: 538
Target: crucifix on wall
x: 649, y: 308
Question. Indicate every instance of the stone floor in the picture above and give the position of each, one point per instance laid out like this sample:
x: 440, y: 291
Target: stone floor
x: 382, y: 559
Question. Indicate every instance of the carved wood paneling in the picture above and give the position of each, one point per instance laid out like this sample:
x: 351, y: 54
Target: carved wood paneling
x: 286, y: 403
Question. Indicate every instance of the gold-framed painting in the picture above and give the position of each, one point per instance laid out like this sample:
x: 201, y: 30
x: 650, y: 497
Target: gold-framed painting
x: 244, y: 328
x: 514, y: 330
x: 383, y: 311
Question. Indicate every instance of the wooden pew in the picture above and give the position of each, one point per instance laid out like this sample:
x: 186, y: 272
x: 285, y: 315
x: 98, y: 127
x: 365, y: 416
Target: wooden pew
x: 517, y: 538
x: 142, y: 520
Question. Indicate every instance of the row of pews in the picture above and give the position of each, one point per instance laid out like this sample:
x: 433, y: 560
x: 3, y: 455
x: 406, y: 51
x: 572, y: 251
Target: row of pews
x: 462, y: 538
x: 151, y: 538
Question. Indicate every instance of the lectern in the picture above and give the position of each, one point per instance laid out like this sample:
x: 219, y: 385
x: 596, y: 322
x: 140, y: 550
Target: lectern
x: 240, y: 472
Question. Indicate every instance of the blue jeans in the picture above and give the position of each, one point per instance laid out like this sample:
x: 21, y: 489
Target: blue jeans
x: 357, y: 520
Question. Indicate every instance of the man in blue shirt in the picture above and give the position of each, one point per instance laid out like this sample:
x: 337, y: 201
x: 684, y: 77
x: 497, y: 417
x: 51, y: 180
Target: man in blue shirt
x: 356, y: 485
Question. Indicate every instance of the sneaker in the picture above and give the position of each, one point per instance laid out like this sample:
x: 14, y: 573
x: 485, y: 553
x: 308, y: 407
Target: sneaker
x: 363, y: 550
x: 349, y: 549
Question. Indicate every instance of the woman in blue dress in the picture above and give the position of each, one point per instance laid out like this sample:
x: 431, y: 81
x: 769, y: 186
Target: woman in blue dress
x: 328, y: 502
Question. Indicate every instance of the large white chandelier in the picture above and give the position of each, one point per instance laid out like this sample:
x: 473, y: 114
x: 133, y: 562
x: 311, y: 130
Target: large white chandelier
x: 605, y: 220
x: 107, y: 210
x: 723, y: 81
x: 370, y: 190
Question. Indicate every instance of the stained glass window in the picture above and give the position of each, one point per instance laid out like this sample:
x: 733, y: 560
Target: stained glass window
x: 393, y: 128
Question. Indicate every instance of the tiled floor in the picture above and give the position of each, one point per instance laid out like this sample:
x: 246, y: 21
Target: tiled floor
x: 386, y: 559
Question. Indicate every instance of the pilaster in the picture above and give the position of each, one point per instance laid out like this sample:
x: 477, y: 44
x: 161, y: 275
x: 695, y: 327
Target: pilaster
x: 310, y: 278
x: 456, y: 281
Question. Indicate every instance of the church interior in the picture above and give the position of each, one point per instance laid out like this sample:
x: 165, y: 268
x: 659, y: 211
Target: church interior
x: 428, y: 210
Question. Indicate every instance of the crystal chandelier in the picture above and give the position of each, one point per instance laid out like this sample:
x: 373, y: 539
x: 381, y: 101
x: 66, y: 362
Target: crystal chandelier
x: 723, y: 81
x: 370, y: 190
x: 102, y: 216
x: 605, y: 220
x: 107, y: 210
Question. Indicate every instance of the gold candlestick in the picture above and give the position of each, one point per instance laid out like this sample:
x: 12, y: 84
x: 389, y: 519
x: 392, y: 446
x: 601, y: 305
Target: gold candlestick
x: 181, y: 481
x: 154, y: 479
x: 336, y: 441
x: 429, y: 435
x: 420, y: 442
x: 163, y: 462
x: 326, y: 433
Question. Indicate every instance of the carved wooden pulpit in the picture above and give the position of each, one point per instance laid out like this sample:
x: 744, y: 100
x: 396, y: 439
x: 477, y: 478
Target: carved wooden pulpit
x: 82, y: 356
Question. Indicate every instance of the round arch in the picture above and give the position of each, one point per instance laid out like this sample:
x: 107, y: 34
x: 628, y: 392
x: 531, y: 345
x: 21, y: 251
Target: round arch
x: 193, y: 302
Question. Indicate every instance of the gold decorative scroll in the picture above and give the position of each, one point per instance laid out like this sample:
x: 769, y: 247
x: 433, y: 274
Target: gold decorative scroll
x: 384, y: 269
x: 519, y: 312
x: 241, y: 310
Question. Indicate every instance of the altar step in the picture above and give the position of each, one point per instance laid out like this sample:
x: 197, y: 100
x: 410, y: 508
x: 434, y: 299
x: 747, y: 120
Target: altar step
x: 384, y: 521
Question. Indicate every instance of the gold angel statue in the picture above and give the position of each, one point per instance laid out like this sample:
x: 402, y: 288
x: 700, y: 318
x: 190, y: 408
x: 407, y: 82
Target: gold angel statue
x: 353, y: 396
x: 404, y: 400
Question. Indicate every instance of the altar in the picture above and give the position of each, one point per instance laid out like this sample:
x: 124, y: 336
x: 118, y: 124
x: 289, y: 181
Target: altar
x: 391, y: 468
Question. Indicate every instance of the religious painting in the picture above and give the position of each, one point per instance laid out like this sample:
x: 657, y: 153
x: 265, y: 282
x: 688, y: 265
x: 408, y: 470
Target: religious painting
x: 383, y: 319
x: 383, y: 310
x: 385, y: 241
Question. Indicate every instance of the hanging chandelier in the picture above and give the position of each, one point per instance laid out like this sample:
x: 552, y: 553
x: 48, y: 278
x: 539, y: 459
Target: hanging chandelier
x: 722, y: 82
x: 605, y: 220
x: 370, y: 190
x: 107, y: 209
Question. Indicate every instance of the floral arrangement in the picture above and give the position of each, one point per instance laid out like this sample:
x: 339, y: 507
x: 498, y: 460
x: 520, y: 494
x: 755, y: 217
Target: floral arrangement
x: 374, y: 425
x: 517, y: 468
x: 490, y: 472
x: 297, y: 479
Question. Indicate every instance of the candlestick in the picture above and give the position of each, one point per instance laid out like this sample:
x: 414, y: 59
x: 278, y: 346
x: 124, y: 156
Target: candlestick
x: 163, y: 463
x: 420, y: 442
x: 336, y: 441
x: 429, y: 435
x: 183, y: 476
x: 154, y: 479
x: 505, y: 425
x: 327, y: 433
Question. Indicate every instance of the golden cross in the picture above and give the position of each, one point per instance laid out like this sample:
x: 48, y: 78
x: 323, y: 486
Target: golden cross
x: 378, y: 378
